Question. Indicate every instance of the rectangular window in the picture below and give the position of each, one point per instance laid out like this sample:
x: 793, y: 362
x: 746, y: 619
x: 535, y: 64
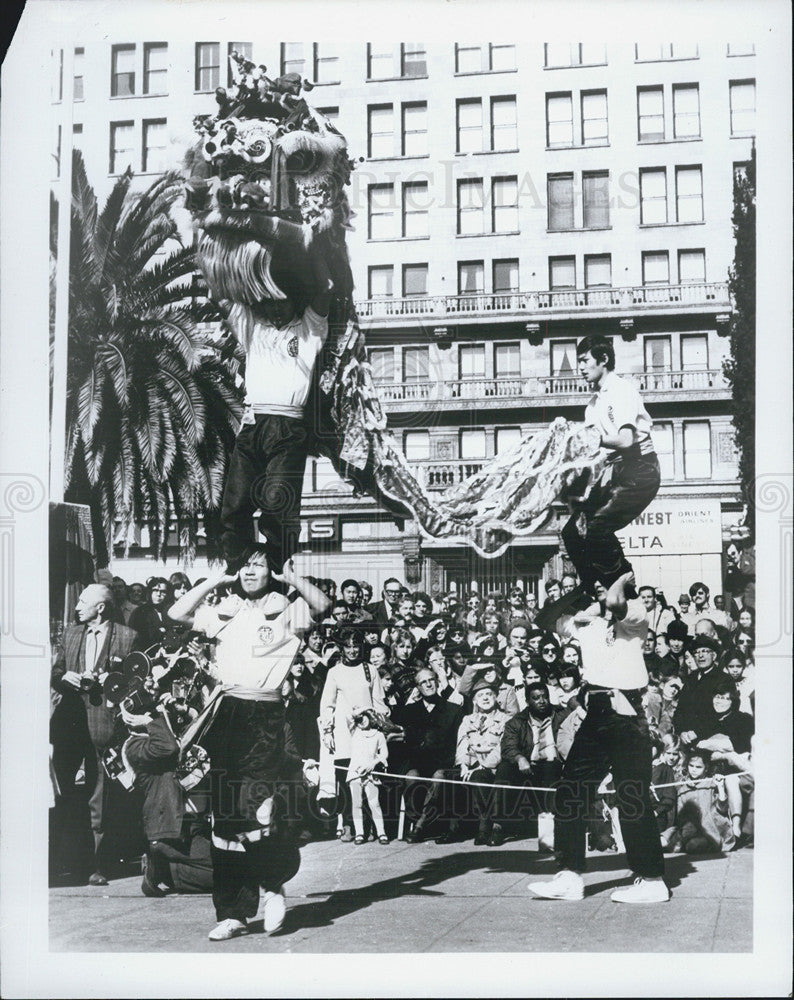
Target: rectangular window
x: 595, y: 122
x: 563, y: 358
x: 413, y: 59
x: 244, y: 49
x: 414, y: 279
x: 653, y: 196
x: 382, y: 212
x: 574, y: 54
x: 122, y: 79
x: 416, y: 446
x: 416, y: 215
x: 741, y: 49
x: 155, y: 142
x: 381, y: 360
x: 656, y: 267
x: 416, y: 364
x: 502, y: 58
x: 559, y: 120
x: 155, y: 68
x: 380, y: 130
x: 686, y: 110
x: 471, y: 207
x: 471, y: 277
x: 560, y: 197
x: 694, y: 352
x: 507, y: 360
x: 472, y: 444
x: 381, y: 282
x: 56, y: 83
x: 598, y: 270
x: 697, y: 449
x: 504, y: 204
x: 595, y: 199
x: 77, y: 136
x: 658, y: 354
x: 380, y: 61
x: 691, y: 266
x: 507, y: 438
x: 650, y: 114
x: 683, y: 50
x: 504, y: 124
x: 79, y: 61
x: 332, y: 114
x: 657, y: 51
x: 414, y: 129
x: 505, y: 276
x: 662, y: 438
x: 562, y: 273
x: 122, y: 143
x: 471, y: 361
x: 326, y: 63
x: 208, y: 66
x: 469, y: 126
x: 293, y: 59
x: 468, y: 59
x: 742, y: 96
x: 689, y: 194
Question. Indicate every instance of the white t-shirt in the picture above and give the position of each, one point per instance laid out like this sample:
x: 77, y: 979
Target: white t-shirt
x: 618, y: 404
x: 254, y: 647
x: 279, y: 365
x: 611, y: 656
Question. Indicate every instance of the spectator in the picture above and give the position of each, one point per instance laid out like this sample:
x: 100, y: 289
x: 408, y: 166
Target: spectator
x: 452, y: 607
x: 694, y: 704
x: 661, y: 705
x: 493, y: 674
x: 339, y: 616
x: 384, y: 611
x: 572, y: 654
x: 368, y: 751
x: 702, y: 824
x: 312, y: 649
x: 491, y: 644
x: 150, y: 620
x: 735, y: 666
x: 662, y: 646
x: 531, y: 607
x: 745, y: 643
x: 423, y: 609
x: 747, y: 620
x: 516, y: 606
x: 687, y: 614
x: 550, y: 654
x: 568, y: 583
x: 663, y: 785
x: 518, y: 644
x: 739, y: 578
x: 659, y: 617
x: 179, y: 584
x: 122, y: 605
x: 553, y: 591
x: 569, y: 680
x: 725, y: 719
x: 402, y: 665
x: 653, y: 662
x: 679, y: 658
x: 351, y: 595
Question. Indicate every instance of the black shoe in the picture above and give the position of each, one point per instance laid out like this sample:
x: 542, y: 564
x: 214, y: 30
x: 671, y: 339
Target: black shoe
x: 497, y: 837
x: 481, y: 839
x: 450, y: 837
x: 415, y: 836
x: 149, y: 882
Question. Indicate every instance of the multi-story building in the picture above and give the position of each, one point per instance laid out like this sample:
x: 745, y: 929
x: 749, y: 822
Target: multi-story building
x: 511, y: 199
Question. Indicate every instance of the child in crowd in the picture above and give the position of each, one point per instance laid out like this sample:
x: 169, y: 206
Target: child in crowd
x: 702, y: 822
x: 367, y: 750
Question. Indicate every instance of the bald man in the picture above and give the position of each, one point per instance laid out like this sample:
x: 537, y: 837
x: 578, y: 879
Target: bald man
x: 81, y: 726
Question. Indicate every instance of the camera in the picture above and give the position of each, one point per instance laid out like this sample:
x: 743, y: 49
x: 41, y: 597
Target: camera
x: 139, y: 702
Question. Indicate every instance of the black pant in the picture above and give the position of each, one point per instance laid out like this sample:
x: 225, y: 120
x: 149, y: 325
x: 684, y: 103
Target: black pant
x: 598, y: 555
x: 542, y: 774
x: 608, y: 742
x: 266, y: 474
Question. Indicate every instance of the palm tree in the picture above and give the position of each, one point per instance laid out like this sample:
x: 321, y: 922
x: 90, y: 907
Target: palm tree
x: 151, y: 402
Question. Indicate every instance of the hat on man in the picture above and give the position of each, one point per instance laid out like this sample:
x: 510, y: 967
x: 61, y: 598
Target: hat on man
x: 677, y: 630
x: 705, y: 642
x: 482, y: 684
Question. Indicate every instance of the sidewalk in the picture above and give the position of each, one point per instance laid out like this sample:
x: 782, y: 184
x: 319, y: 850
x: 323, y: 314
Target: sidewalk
x: 429, y: 898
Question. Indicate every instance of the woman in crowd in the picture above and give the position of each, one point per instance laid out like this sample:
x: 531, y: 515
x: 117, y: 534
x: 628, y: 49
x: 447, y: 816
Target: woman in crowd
x: 747, y: 620
x: 402, y: 665
x: 179, y: 584
x: 735, y: 666
x: 745, y: 643
x: 150, y: 620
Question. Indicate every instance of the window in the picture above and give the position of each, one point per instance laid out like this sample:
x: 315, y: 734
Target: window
x: 469, y: 126
x: 292, y: 58
x: 468, y: 59
x: 658, y: 354
x: 598, y: 270
x: 122, y: 79
x: 416, y: 446
x: 741, y: 49
x: 484, y: 58
x: 662, y: 438
x: 326, y: 63
x: 562, y: 273
x: 656, y: 52
x: 697, y: 449
x: 332, y: 114
x: 416, y: 216
x: 595, y: 200
x: 472, y: 444
x: 122, y: 142
x: 77, y: 136
x: 471, y: 207
x: 382, y: 212
x: 740, y: 172
x: 595, y: 124
x: 56, y: 82
x: 471, y: 277
x: 416, y: 364
x: 505, y: 276
x: 155, y: 68
x: 381, y: 282
x: 691, y: 266
x: 380, y: 61
x: 559, y: 120
x: 413, y: 59
x: 79, y: 60
x: 694, y: 352
x: 688, y: 194
x: 656, y: 267
x: 414, y: 279
x: 502, y: 58
x: 504, y: 204
x: 57, y: 152
x: 686, y: 111
x: 208, y: 66
x: 244, y: 49
x: 560, y: 195
x: 380, y: 142
x: 504, y: 124
x: 414, y: 129
x: 742, y: 94
x: 650, y: 114
x: 563, y: 358
x: 653, y: 196
x: 507, y: 360
x: 574, y: 54
x: 507, y: 438
x: 155, y: 141
x: 381, y: 360
x: 471, y: 361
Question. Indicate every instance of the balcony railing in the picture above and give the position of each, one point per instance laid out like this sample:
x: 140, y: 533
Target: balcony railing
x: 697, y: 293
x: 441, y: 475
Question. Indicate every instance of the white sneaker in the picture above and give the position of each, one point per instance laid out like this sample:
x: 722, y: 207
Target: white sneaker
x: 564, y: 885
x: 229, y: 928
x: 275, y: 911
x: 643, y: 890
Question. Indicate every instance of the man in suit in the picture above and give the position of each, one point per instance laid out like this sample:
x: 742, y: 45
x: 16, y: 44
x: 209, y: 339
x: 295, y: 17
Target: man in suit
x: 82, y: 726
x: 385, y: 611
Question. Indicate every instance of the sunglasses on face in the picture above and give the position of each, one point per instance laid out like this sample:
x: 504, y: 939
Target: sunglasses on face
x: 549, y: 649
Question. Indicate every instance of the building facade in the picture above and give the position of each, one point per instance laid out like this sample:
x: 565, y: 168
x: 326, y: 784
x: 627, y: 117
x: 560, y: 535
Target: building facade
x: 509, y: 199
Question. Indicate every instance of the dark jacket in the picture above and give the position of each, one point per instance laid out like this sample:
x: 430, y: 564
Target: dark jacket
x: 381, y: 613
x: 153, y: 756
x: 431, y: 737
x: 694, y: 702
x: 737, y: 726
x: 150, y: 623
x: 517, y: 740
